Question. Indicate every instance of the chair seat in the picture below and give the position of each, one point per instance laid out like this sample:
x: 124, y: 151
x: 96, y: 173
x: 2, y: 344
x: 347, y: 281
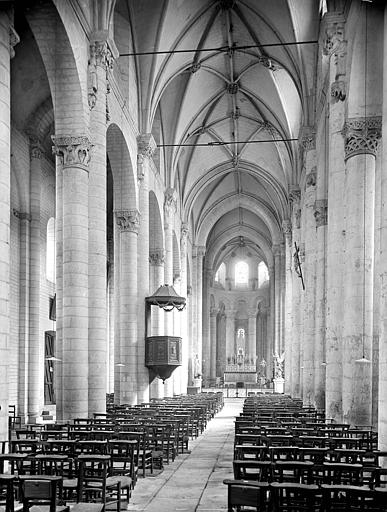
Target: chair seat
x: 70, y: 483
x: 46, y: 508
x: 125, y: 481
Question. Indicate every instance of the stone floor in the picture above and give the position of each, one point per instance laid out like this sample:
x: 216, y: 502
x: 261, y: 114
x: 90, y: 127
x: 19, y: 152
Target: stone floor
x: 194, y: 482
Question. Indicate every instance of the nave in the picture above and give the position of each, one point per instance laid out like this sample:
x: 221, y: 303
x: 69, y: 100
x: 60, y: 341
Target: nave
x: 194, y: 481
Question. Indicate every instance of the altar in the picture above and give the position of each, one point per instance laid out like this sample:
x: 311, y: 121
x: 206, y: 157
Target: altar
x: 246, y: 373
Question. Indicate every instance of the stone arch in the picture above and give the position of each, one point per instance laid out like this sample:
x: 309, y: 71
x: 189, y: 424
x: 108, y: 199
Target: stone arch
x: 58, y: 43
x: 125, y: 188
x: 211, y: 216
x: 214, y: 255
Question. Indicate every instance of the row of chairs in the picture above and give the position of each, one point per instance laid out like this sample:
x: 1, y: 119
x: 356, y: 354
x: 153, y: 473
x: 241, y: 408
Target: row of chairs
x: 292, y: 497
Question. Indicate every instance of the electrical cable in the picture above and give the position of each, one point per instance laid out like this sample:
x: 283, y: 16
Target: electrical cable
x: 218, y: 49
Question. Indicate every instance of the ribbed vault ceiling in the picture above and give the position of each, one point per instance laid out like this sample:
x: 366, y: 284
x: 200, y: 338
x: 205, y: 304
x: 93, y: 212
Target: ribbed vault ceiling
x: 234, y: 96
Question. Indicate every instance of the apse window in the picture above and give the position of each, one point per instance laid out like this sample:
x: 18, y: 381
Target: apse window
x: 50, y: 251
x: 241, y: 273
x: 263, y: 274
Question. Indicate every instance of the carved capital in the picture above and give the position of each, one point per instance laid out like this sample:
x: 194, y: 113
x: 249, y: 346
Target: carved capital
x: 14, y: 39
x: 128, y: 220
x: 321, y: 212
x: 213, y: 312
x: 294, y: 195
x: 338, y: 91
x: 311, y: 178
x: 362, y: 136
x: 334, y: 36
x: 100, y: 55
x: 287, y: 230
x: 157, y: 257
x: 308, y: 141
x: 170, y: 203
x: 36, y: 150
x: 146, y: 146
x: 72, y: 150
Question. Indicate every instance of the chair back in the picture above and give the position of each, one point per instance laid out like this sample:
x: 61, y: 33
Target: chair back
x: 39, y: 490
x: 292, y: 497
x: 247, y: 494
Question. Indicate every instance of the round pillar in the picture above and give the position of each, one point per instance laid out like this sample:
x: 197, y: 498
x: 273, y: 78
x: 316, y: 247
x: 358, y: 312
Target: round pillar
x: 361, y: 143
x: 126, y: 359
x: 72, y: 159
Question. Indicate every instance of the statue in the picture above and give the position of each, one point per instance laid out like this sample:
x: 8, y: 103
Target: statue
x: 196, y: 367
x: 240, y: 356
x: 278, y: 365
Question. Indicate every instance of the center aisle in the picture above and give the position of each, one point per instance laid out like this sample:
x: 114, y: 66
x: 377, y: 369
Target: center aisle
x: 194, y: 482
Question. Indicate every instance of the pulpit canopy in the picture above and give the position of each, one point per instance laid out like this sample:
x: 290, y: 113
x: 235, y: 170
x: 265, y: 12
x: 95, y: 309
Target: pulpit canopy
x: 166, y: 297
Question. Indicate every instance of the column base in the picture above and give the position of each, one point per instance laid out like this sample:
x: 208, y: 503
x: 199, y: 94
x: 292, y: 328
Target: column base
x: 279, y: 385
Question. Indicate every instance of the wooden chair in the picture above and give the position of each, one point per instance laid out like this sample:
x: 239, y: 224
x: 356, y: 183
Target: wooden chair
x: 259, y: 471
x: 292, y: 471
x: 342, y: 474
x: 43, y: 491
x: 343, y: 498
x: 15, y: 420
x: 145, y: 459
x: 123, y: 456
x: 241, y: 494
x: 93, y: 481
x: 283, y: 453
x: 6, y: 492
x: 292, y: 497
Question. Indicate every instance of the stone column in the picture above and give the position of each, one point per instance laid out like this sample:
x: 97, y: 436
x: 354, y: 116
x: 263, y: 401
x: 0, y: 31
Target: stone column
x: 117, y: 309
x: 309, y: 147
x: 287, y: 230
x: 382, y: 405
x: 335, y: 50
x: 252, y: 343
x: 271, y: 323
x: 35, y: 346
x: 321, y: 215
x: 213, y: 315
x: 296, y: 297
x: 99, y: 62
x: 169, y: 212
x: 277, y: 297
x: 361, y: 141
x: 24, y: 311
x: 146, y: 146
x: 199, y: 252
x: 111, y: 312
x: 156, y: 260
x: 183, y: 314
x: 8, y: 39
x: 208, y: 280
x: 126, y: 382
x: 72, y: 160
x: 230, y: 334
